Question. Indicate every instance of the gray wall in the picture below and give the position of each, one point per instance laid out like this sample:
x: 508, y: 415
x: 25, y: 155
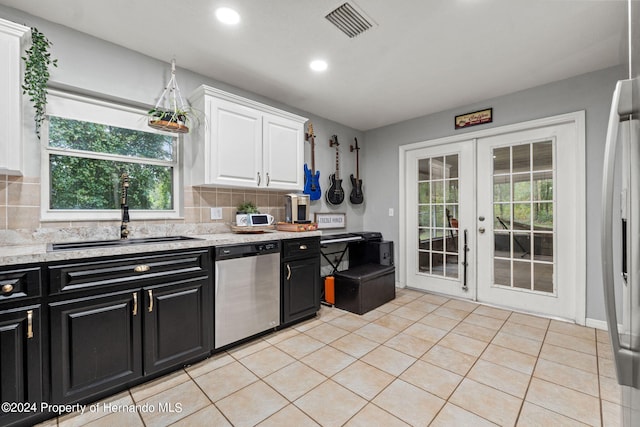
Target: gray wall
x: 93, y: 66
x: 590, y: 92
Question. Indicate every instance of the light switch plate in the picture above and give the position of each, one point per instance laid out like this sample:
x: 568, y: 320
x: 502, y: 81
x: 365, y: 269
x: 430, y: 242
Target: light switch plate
x: 216, y: 213
x: 390, y: 211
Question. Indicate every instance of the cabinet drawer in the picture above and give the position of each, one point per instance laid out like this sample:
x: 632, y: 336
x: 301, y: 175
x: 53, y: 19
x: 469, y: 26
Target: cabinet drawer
x: 99, y: 273
x: 19, y: 283
x: 297, y: 248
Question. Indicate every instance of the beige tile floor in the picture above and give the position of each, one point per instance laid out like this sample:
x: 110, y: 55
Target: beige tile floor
x: 419, y: 360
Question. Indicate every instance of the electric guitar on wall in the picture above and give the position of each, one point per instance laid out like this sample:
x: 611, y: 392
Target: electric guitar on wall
x: 311, y: 177
x: 335, y: 193
x: 356, y: 197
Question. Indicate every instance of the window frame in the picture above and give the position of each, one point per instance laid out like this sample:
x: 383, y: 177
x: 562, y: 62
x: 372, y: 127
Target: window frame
x: 78, y: 107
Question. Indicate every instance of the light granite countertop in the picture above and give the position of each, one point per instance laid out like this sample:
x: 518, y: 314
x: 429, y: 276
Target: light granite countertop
x: 37, y: 252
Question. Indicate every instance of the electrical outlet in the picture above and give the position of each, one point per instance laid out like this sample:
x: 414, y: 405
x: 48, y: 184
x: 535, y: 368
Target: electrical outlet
x: 216, y: 213
x: 390, y: 211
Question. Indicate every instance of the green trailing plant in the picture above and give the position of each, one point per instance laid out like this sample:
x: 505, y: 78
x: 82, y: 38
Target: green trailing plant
x: 36, y: 75
x: 247, y: 208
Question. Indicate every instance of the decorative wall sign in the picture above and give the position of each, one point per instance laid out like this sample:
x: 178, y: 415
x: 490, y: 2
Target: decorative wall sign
x: 475, y: 118
x: 331, y: 220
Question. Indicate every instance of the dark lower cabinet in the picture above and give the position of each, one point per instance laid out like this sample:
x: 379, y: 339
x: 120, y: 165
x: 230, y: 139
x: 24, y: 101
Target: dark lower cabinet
x: 116, y: 321
x: 20, y: 363
x: 174, y: 331
x: 95, y: 344
x: 300, y: 278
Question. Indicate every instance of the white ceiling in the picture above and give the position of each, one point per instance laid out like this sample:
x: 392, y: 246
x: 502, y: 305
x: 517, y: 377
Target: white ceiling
x: 422, y: 57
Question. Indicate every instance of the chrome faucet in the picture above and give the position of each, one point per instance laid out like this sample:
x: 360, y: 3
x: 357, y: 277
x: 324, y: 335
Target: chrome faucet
x: 124, y: 232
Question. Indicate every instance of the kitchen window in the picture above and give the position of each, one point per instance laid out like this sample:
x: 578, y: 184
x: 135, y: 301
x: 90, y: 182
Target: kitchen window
x: 88, y: 144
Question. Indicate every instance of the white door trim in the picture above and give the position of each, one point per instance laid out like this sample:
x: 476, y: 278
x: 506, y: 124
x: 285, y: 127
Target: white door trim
x: 578, y: 120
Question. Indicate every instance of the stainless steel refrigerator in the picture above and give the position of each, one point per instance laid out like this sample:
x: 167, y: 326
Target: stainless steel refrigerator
x: 621, y: 226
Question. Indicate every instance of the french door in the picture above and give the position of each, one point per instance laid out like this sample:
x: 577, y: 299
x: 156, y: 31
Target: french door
x: 441, y: 193
x: 500, y: 217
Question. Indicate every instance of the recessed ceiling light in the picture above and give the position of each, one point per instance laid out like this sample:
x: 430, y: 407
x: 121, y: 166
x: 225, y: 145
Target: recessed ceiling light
x: 227, y: 16
x: 318, y: 65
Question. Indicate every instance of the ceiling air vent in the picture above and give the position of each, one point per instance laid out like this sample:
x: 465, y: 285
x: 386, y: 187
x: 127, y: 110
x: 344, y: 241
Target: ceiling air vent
x: 349, y: 20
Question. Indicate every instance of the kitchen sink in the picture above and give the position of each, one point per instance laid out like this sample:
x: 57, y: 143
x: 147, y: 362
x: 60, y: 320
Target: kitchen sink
x: 114, y: 243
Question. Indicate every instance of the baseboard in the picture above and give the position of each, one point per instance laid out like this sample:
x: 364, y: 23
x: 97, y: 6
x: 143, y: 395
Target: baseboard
x: 598, y: 324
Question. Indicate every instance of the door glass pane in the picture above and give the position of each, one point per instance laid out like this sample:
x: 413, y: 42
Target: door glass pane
x: 543, y: 156
x: 543, y: 186
x: 452, y: 191
x: 423, y: 192
x: 502, y: 160
x: 502, y: 216
x: 423, y: 169
x: 521, y: 245
x: 451, y: 269
x: 522, y: 187
x: 543, y: 247
x: 437, y: 263
x: 451, y: 166
x: 543, y: 216
x: 424, y: 262
x: 502, y: 245
x: 424, y: 239
x: 523, y: 181
x: 437, y: 168
x: 522, y: 216
x: 521, y: 274
x: 437, y: 188
x: 501, y: 188
x: 521, y: 162
x: 542, y: 277
x: 502, y: 272
x: 438, y: 209
x: 424, y: 216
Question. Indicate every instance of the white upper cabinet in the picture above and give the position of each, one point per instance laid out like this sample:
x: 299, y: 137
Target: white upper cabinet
x: 243, y: 143
x: 11, y: 44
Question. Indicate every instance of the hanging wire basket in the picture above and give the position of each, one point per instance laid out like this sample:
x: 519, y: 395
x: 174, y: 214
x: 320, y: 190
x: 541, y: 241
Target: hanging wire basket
x: 170, y: 113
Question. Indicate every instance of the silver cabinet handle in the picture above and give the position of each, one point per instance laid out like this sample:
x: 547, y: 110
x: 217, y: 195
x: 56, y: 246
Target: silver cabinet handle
x: 29, y: 323
x: 7, y: 288
x: 259, y: 179
x: 135, y: 304
x: 624, y: 357
x: 268, y: 179
x: 303, y: 247
x: 150, y: 292
x: 288, y: 272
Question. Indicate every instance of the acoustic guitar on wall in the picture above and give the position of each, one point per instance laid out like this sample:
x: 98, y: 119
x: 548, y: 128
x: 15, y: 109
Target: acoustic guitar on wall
x: 356, y: 197
x: 335, y: 193
x: 311, y: 176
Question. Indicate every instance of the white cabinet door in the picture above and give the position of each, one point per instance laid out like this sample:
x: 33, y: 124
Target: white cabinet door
x: 243, y: 143
x: 11, y: 97
x: 283, y: 153
x: 236, y: 145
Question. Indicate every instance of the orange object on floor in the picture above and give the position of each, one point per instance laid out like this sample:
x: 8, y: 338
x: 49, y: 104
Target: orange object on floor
x: 329, y: 290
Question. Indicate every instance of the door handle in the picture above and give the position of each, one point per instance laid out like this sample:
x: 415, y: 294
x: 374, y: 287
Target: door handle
x: 620, y: 106
x: 288, y: 272
x: 481, y: 230
x: 135, y: 304
x: 268, y: 179
x: 150, y: 292
x: 29, y: 323
x: 259, y: 179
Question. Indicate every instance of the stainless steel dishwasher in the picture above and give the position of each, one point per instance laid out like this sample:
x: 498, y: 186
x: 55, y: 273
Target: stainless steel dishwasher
x: 247, y: 290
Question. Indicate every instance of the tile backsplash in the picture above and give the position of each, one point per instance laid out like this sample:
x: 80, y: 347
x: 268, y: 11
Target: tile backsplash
x: 20, y: 206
